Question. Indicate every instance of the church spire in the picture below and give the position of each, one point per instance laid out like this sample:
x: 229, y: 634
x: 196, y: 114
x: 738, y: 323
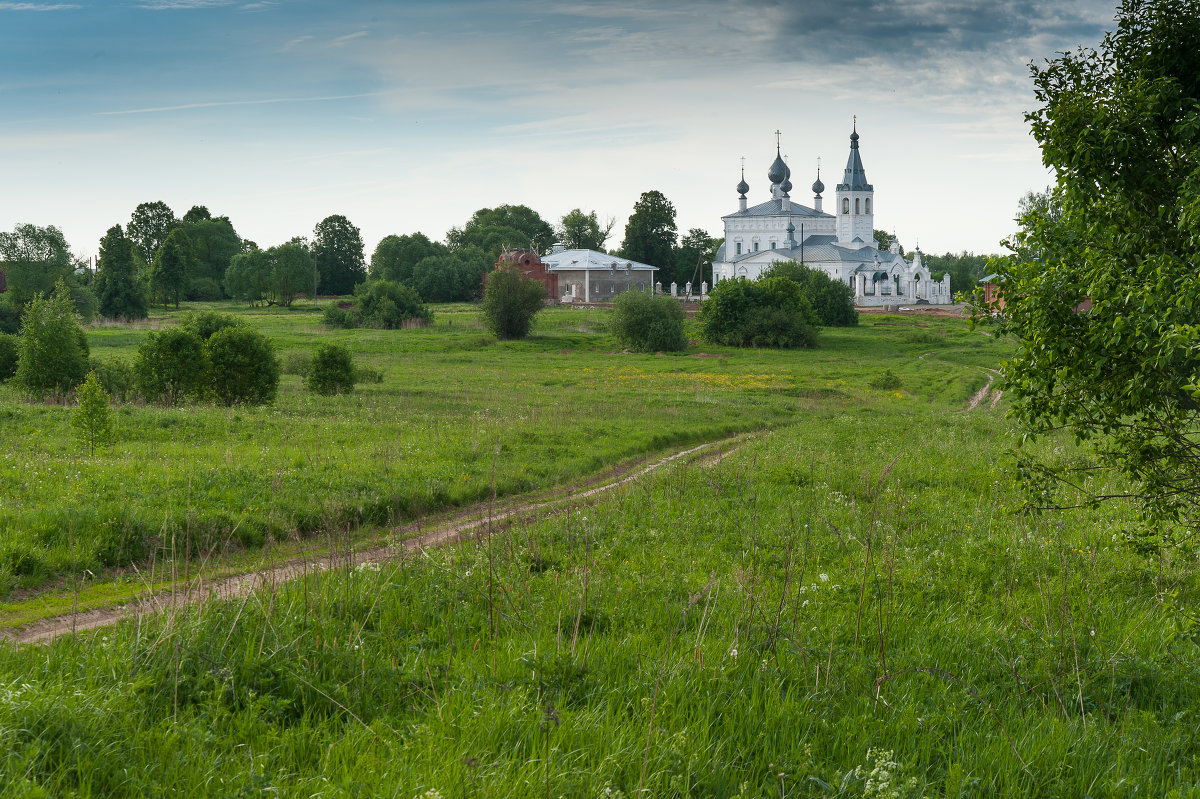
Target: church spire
x: 855, y: 177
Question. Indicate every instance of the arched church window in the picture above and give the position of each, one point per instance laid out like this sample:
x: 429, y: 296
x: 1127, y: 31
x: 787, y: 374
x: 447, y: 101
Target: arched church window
x: 739, y: 248
x: 857, y: 206
x: 772, y: 245
x: 756, y: 246
x: 845, y: 205
x: 868, y: 205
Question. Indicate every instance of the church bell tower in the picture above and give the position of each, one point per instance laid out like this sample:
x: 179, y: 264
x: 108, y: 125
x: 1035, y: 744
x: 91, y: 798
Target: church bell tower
x: 855, y: 201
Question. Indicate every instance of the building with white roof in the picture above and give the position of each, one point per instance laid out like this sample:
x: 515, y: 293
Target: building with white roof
x: 841, y: 244
x: 592, y: 276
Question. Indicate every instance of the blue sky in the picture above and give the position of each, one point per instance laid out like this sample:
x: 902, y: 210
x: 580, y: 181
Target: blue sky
x: 409, y: 116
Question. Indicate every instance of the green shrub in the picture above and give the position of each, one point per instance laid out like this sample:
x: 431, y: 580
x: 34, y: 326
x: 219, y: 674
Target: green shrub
x: 832, y: 300
x: 205, y: 289
x: 340, y: 317
x: 8, y: 356
x: 10, y: 319
x: 171, y: 366
x: 768, y: 312
x: 243, y: 367
x: 116, y: 376
x: 205, y: 323
x: 886, y: 381
x: 510, y: 302
x: 388, y: 305
x: 648, y: 323
x: 332, y: 370
x: 93, y: 416
x: 366, y: 374
x: 52, y: 348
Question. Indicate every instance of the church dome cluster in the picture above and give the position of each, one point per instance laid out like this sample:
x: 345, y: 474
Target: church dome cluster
x: 839, y: 241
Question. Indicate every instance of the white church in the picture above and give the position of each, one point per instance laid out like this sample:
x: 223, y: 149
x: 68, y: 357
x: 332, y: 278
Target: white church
x: 841, y: 244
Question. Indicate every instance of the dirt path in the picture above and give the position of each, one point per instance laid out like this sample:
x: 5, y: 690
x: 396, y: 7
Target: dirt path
x: 474, y: 521
x: 979, y: 396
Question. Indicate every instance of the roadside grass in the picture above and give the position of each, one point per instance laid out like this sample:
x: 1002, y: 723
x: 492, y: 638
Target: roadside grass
x: 844, y: 606
x: 457, y: 416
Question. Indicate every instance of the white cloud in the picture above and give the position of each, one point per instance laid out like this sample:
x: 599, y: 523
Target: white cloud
x: 39, y: 6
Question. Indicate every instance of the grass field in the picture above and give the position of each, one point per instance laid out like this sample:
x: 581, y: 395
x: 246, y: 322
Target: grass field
x: 846, y: 605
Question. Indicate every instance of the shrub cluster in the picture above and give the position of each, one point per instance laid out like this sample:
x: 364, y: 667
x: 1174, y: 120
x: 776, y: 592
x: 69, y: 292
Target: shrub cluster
x: 648, y: 322
x: 381, y: 304
x: 831, y: 300
x: 768, y: 312
x: 234, y: 365
x: 331, y: 370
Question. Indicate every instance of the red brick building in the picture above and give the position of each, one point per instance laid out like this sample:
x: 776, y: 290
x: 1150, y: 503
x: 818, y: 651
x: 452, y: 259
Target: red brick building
x: 533, y: 268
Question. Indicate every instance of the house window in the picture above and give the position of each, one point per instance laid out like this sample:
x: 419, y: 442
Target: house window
x: 612, y: 288
x: 845, y: 205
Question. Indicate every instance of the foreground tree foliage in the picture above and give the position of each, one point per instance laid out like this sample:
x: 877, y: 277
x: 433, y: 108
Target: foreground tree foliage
x: 768, y: 312
x: 34, y: 259
x: 510, y: 302
x: 646, y: 322
x: 1120, y: 127
x: 52, y: 350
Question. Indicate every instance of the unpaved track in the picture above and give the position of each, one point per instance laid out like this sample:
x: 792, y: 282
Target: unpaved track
x: 474, y: 521
x: 980, y: 395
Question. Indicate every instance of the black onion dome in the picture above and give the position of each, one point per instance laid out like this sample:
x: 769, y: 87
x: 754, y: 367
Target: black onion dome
x: 786, y: 186
x: 818, y: 186
x: 778, y: 170
x: 743, y: 186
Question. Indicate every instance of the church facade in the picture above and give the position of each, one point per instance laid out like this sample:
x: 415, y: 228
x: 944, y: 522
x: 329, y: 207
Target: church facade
x: 840, y: 242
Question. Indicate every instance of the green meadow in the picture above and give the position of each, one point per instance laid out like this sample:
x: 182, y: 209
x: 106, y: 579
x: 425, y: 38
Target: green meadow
x: 850, y: 603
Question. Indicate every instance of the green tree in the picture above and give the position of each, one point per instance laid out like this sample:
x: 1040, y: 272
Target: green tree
x: 149, y: 227
x: 9, y: 353
x: 456, y: 276
x: 93, y: 416
x: 832, y: 300
x: 34, y: 258
x: 338, y: 247
x: 650, y: 235
x: 52, y: 348
x: 173, y: 264
x: 249, y: 276
x: 646, y: 322
x: 396, y: 256
x: 214, y: 243
x: 580, y: 231
x: 1121, y: 229
x: 505, y: 226
x: 197, y: 213
x: 242, y: 366
x: 291, y: 272
x: 885, y: 240
x: 510, y: 302
x: 693, y: 259
x: 171, y: 366
x: 118, y: 289
x: 965, y: 269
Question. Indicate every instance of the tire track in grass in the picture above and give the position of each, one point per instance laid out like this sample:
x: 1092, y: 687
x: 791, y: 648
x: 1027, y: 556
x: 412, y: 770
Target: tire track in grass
x: 475, y: 521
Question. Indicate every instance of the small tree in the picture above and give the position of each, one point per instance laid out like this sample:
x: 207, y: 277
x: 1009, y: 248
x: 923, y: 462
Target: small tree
x: 93, y: 417
x: 510, y: 302
x: 243, y: 367
x: 648, y: 322
x: 171, y: 366
x: 382, y: 303
x: 332, y: 370
x: 52, y: 348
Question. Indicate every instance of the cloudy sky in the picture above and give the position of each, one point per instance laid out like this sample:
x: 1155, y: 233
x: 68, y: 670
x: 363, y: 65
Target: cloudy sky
x: 408, y: 116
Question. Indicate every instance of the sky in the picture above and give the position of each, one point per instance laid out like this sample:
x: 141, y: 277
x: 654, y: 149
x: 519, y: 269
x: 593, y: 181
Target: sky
x: 410, y: 116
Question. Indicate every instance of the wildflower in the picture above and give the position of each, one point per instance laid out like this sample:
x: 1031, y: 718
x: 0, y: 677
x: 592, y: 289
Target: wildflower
x: 824, y: 577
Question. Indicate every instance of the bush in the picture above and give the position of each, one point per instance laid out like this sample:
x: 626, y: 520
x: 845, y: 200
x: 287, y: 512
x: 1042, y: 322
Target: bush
x: 205, y: 289
x: 205, y: 323
x: 340, y: 317
x: 116, y: 377
x: 52, y: 349
x: 388, y: 305
x: 768, y: 312
x: 332, y: 370
x: 8, y: 356
x: 648, y: 323
x: 832, y: 300
x: 10, y: 319
x: 243, y: 367
x: 171, y: 366
x: 886, y: 381
x: 510, y: 302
